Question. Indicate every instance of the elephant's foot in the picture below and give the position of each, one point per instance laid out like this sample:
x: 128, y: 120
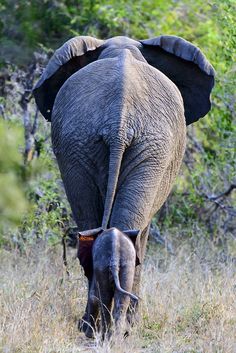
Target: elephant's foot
x: 89, y: 332
x: 86, y: 328
x: 83, y: 323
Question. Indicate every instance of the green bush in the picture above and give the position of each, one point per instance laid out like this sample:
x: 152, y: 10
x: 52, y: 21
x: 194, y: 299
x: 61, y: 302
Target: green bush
x: 13, y: 203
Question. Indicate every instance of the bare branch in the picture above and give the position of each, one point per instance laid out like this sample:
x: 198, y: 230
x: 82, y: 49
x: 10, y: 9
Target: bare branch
x: 35, y: 124
x: 225, y: 193
x: 29, y: 127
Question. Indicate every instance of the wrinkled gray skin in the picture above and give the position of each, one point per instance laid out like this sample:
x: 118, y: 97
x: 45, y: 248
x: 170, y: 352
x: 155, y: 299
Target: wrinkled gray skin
x: 120, y: 116
x: 119, y: 124
x: 114, y: 259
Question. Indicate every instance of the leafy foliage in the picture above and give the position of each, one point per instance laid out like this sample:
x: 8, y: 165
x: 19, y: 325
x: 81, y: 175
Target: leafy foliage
x: 209, y: 168
x: 12, y: 202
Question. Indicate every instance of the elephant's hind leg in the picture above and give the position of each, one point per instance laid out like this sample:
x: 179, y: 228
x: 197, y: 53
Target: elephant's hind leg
x: 105, y: 295
x: 123, y: 301
x: 121, y: 304
x: 83, y: 195
x: 93, y: 309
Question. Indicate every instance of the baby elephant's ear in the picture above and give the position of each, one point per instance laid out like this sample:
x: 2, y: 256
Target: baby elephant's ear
x: 86, y: 240
x: 134, y: 236
x: 187, y: 67
x: 90, y: 233
x: 71, y: 57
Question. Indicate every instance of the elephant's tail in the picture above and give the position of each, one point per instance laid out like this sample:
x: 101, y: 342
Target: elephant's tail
x: 115, y: 275
x: 115, y: 159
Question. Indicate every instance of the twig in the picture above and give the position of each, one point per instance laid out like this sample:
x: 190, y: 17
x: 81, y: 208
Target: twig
x: 226, y: 193
x: 64, y: 255
x: 30, y: 129
x: 35, y: 124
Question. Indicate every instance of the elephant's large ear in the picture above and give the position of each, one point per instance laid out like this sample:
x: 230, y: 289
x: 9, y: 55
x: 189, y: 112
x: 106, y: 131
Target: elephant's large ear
x: 187, y: 67
x: 71, y: 57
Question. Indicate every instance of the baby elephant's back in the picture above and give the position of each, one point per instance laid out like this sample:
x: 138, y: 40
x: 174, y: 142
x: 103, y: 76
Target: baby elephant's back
x: 113, y: 248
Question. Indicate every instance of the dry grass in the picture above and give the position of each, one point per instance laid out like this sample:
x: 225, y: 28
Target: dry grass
x: 188, y: 305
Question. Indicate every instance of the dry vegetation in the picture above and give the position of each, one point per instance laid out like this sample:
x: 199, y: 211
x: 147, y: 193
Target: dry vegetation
x: 188, y: 303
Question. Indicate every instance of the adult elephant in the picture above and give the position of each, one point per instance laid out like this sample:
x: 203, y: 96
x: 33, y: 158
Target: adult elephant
x: 118, y: 110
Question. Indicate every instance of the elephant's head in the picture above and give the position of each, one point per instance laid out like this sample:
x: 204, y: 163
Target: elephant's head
x: 178, y: 59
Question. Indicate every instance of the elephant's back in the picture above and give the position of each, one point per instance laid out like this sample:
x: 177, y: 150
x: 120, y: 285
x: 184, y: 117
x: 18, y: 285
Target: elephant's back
x: 115, y: 96
x: 126, y: 99
x: 88, y: 93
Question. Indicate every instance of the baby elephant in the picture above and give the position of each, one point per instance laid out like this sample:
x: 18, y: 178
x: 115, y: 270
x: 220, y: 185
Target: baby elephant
x: 114, y: 258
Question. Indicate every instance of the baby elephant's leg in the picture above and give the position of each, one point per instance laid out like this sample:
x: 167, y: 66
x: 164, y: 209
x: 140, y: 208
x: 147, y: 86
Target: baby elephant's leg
x: 93, y: 308
x: 121, y: 300
x: 121, y: 304
x: 105, y: 295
